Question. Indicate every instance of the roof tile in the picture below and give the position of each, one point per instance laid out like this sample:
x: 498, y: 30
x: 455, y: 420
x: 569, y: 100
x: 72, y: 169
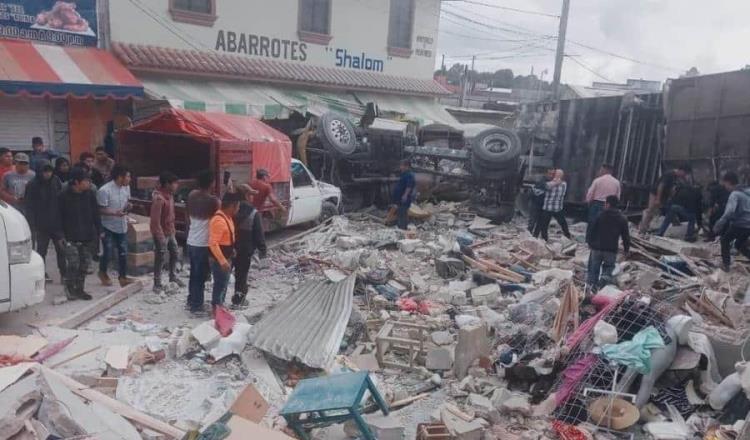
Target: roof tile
x: 141, y: 57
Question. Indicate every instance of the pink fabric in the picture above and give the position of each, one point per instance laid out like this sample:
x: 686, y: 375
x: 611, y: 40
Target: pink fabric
x: 607, y: 304
x: 224, y: 321
x: 603, y: 187
x: 572, y: 376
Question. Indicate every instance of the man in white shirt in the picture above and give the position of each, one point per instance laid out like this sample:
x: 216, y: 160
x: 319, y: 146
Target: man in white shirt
x: 114, y: 203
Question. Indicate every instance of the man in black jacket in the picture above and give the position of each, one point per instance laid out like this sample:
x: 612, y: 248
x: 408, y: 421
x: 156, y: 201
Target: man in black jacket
x: 80, y: 224
x: 43, y: 213
x: 604, y: 242
x: 250, y: 236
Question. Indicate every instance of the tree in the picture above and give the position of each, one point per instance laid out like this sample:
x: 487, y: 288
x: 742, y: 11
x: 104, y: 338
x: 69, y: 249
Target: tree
x: 502, y: 78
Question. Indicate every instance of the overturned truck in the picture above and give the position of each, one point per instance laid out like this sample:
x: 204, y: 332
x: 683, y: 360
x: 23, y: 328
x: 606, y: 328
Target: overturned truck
x: 480, y: 162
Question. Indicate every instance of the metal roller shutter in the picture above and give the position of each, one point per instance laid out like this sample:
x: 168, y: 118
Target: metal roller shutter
x: 21, y: 119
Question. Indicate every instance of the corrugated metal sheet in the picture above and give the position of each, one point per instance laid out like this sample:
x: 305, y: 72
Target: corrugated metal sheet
x: 309, y: 325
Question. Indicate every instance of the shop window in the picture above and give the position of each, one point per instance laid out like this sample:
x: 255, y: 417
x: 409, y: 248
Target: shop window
x: 400, y: 28
x: 300, y: 176
x: 200, y: 12
x: 314, y: 21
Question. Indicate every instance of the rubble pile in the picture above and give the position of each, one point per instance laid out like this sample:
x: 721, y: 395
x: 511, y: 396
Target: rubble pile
x: 468, y: 330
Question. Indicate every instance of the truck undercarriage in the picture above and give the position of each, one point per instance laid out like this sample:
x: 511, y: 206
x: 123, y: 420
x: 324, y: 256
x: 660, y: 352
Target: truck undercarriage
x: 480, y: 163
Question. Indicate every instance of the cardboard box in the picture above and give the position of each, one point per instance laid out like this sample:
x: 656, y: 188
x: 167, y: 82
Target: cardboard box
x: 250, y: 405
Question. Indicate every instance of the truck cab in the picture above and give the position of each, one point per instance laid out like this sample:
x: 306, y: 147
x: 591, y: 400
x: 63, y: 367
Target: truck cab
x: 311, y: 200
x: 21, y: 269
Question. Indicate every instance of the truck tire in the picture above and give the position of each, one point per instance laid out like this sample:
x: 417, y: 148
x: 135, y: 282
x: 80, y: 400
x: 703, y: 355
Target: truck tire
x: 338, y: 134
x: 496, y: 146
x: 328, y: 210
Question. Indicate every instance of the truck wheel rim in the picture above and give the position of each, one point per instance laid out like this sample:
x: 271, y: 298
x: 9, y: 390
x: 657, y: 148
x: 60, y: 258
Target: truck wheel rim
x: 497, y: 143
x: 340, y: 132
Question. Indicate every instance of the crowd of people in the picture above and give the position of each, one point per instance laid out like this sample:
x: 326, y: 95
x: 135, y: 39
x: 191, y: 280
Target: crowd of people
x: 82, y: 209
x: 675, y: 196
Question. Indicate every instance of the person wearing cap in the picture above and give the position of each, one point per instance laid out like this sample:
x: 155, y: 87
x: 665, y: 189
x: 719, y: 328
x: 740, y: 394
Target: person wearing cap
x: 163, y: 228
x: 221, y: 242
x: 262, y: 184
x: 403, y: 194
x: 15, y: 181
x: 40, y: 154
x: 43, y: 212
x: 250, y: 236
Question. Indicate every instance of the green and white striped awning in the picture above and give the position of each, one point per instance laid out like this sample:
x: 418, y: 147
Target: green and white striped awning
x: 244, y: 98
x: 264, y: 101
x: 422, y: 110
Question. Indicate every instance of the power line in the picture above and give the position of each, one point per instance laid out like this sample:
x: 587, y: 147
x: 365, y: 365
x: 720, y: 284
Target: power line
x: 506, y: 8
x: 627, y: 58
x: 500, y: 40
x: 518, y: 31
x: 582, y: 64
x: 151, y: 14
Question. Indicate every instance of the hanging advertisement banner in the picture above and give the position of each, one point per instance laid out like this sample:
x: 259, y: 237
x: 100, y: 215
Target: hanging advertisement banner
x: 67, y: 23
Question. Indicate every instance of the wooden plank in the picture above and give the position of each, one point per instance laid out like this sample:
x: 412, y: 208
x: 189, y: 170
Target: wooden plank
x: 74, y: 357
x: 116, y: 406
x: 101, y: 305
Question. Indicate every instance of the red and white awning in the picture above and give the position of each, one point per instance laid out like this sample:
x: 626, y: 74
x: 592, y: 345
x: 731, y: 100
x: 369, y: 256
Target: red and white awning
x: 34, y: 69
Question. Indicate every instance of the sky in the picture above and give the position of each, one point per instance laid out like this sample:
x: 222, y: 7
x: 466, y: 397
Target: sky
x: 661, y: 38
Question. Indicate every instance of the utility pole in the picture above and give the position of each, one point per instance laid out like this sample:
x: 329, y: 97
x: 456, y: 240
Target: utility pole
x: 442, y: 63
x: 560, y: 48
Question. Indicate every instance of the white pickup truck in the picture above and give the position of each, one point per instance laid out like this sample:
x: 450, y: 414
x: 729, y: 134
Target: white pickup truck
x: 21, y: 269
x: 311, y: 200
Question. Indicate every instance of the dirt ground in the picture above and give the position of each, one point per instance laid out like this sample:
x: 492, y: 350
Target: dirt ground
x: 23, y: 322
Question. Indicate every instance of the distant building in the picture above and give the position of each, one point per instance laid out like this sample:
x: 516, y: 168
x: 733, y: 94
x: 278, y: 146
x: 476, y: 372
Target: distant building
x: 602, y: 89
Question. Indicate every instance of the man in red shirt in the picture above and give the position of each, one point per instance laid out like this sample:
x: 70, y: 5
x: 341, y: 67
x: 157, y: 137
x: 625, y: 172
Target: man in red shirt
x: 6, y: 161
x: 263, y: 186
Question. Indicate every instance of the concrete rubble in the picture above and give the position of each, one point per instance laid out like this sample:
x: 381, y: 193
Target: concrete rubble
x: 479, y: 309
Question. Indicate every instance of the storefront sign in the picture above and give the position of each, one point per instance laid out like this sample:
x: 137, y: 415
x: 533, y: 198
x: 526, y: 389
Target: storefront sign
x: 357, y: 61
x: 262, y: 46
x: 69, y: 23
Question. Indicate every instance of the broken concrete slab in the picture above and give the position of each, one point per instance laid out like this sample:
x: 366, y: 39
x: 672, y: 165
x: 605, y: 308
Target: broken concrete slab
x: 117, y: 357
x: 232, y: 344
x: 408, y: 245
x: 448, y: 267
x: 486, y: 294
x: 472, y: 343
x: 18, y: 403
x: 440, y: 358
x: 67, y: 416
x: 509, y: 402
x: 206, y: 334
x: 442, y: 338
x: 334, y: 275
x: 385, y: 427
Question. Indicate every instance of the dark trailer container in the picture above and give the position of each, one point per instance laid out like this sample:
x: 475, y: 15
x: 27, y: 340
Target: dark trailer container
x: 708, y: 125
x: 579, y: 135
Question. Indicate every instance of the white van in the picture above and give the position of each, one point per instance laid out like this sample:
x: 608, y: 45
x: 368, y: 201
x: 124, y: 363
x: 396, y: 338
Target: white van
x: 311, y: 199
x: 21, y: 269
